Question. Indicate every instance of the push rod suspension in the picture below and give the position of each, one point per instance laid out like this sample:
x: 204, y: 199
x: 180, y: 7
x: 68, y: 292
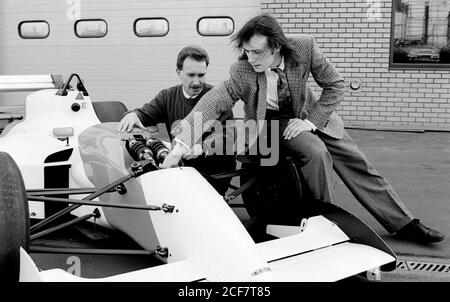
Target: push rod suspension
x: 94, y: 203
x: 49, y: 192
x: 76, y: 206
x: 55, y: 250
x: 61, y: 226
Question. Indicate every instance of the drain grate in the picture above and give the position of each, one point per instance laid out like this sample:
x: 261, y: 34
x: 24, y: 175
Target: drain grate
x: 428, y: 267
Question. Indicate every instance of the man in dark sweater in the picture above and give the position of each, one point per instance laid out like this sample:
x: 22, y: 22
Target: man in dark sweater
x: 173, y: 104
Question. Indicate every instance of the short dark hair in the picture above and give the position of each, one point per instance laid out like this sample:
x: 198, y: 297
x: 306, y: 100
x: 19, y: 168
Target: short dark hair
x: 192, y: 51
x: 264, y: 25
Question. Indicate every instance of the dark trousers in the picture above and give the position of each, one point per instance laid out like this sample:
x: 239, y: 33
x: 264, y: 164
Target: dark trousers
x: 319, y: 154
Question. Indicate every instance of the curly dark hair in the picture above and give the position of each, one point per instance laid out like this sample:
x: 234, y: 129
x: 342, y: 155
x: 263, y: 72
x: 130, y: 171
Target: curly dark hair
x: 192, y: 51
x: 264, y: 25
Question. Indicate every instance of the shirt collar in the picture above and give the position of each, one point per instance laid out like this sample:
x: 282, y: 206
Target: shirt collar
x: 187, y: 95
x: 281, y: 66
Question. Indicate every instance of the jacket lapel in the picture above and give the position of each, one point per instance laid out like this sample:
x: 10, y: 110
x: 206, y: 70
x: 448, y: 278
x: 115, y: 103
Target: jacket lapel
x: 294, y: 74
x: 262, y: 96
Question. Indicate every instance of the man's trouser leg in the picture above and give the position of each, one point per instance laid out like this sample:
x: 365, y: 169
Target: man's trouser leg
x: 371, y: 189
x: 316, y: 162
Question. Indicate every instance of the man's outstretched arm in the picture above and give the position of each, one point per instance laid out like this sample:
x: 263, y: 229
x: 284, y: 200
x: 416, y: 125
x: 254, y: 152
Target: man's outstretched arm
x: 189, y: 131
x: 150, y: 114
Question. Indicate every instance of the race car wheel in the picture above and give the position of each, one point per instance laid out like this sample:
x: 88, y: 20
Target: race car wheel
x: 279, y: 196
x: 14, y: 218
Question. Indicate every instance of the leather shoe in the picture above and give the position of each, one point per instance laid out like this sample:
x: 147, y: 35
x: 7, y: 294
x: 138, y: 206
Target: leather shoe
x: 416, y: 231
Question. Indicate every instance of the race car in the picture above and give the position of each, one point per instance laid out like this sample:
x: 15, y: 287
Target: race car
x: 67, y: 152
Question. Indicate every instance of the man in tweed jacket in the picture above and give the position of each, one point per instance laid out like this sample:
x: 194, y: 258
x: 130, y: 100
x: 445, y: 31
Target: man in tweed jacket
x: 313, y: 131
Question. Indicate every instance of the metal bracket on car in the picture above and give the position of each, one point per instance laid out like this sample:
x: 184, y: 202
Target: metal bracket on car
x: 121, y: 189
x: 167, y: 208
x: 143, y: 166
x: 374, y: 274
x: 162, y: 251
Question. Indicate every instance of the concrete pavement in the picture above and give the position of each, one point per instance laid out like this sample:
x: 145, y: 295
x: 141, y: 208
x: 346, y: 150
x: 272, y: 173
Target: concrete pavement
x: 418, y: 167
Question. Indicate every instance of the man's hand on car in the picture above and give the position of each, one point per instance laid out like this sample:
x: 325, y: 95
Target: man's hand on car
x: 173, y: 158
x: 129, y: 121
x: 195, y: 152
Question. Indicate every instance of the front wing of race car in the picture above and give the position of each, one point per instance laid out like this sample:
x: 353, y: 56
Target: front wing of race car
x: 321, y: 253
x: 206, y: 241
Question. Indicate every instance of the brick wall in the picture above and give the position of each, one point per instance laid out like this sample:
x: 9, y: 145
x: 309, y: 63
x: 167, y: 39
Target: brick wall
x: 357, y: 42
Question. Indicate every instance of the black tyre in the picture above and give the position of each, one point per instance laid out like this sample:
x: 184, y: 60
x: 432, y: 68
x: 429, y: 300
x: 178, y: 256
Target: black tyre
x: 278, y: 196
x: 14, y: 218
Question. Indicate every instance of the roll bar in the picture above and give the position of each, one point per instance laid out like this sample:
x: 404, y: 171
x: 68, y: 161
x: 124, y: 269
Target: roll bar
x: 80, y: 86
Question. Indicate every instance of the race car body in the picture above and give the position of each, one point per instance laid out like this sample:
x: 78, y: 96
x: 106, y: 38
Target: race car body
x: 45, y: 143
x: 175, y: 212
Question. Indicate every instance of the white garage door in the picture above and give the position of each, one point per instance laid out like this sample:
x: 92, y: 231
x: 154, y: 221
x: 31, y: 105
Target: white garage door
x: 121, y: 65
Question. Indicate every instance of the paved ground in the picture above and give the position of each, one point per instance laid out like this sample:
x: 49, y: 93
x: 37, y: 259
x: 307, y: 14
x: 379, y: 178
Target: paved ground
x: 418, y: 167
